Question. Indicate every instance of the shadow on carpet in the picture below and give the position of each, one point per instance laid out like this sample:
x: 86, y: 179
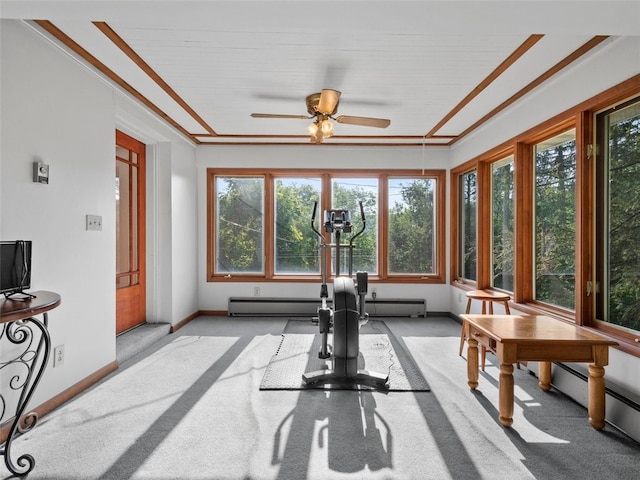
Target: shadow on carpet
x: 379, y: 352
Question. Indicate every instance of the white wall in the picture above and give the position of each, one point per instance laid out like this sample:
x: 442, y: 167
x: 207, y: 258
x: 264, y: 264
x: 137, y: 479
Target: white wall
x: 184, y: 232
x: 56, y: 110
x: 52, y: 111
x: 214, y: 295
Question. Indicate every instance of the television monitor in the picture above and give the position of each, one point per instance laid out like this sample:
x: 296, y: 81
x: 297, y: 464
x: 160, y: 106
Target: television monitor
x: 15, y: 266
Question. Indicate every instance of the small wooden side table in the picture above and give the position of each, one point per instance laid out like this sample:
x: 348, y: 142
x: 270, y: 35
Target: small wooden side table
x: 487, y: 297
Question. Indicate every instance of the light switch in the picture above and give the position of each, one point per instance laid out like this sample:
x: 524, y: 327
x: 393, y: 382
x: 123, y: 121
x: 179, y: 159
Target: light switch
x: 94, y: 222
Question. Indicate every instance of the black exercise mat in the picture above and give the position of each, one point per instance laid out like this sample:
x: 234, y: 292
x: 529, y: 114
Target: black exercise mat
x: 379, y: 352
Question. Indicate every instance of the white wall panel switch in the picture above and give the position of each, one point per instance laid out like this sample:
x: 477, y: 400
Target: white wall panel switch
x: 94, y: 222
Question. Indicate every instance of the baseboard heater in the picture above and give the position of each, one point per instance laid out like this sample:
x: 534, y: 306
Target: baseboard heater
x: 619, y: 393
x: 274, y: 306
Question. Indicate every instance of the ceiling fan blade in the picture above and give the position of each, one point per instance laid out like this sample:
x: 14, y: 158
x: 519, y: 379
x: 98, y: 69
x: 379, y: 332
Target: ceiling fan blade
x: 277, y: 115
x: 276, y: 96
x: 328, y: 101
x: 364, y: 121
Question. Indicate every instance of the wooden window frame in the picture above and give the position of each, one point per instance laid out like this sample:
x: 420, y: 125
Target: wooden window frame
x: 528, y: 267
x: 629, y: 341
x: 455, y: 217
x: 488, y: 211
x: 438, y: 277
x: 582, y: 118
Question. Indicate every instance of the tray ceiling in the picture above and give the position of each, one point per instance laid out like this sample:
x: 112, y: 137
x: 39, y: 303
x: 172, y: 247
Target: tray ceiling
x: 435, y: 69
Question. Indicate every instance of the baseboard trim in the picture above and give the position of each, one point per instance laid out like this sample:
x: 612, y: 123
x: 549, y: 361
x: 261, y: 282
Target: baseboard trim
x: 183, y: 322
x: 194, y: 315
x: 63, y: 397
x: 214, y: 313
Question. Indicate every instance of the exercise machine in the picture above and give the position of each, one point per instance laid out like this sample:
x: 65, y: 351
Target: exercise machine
x: 348, y: 313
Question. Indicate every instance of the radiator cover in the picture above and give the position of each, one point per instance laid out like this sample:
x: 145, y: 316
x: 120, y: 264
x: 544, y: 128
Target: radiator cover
x: 276, y: 306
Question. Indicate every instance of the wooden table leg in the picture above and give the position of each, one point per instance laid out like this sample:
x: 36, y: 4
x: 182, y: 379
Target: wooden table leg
x: 472, y: 362
x: 596, y: 399
x: 544, y: 376
x: 505, y: 394
x: 463, y: 332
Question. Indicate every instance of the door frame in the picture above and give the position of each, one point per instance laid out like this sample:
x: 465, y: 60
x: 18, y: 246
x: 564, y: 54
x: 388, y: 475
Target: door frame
x: 131, y: 301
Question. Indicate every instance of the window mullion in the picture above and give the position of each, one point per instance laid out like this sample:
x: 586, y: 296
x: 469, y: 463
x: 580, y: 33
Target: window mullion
x: 483, y: 226
x: 585, y: 305
x: 325, y: 204
x: 524, y: 181
x: 269, y: 226
x: 383, y: 227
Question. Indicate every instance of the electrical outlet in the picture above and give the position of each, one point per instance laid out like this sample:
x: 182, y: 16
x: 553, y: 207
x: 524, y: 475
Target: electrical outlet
x: 58, y: 355
x: 374, y: 293
x: 256, y: 291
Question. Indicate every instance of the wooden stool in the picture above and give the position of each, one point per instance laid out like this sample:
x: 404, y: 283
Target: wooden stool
x: 486, y: 297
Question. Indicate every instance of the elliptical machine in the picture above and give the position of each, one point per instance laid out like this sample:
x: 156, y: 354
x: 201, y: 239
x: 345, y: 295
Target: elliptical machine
x: 348, y: 312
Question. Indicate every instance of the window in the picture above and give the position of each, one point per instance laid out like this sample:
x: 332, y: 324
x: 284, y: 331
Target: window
x: 260, y: 224
x: 295, y: 243
x: 347, y: 193
x: 563, y: 200
x: 502, y: 224
x: 555, y: 220
x: 467, y: 189
x: 618, y: 217
x: 239, y: 224
x: 127, y: 227
x: 412, y: 226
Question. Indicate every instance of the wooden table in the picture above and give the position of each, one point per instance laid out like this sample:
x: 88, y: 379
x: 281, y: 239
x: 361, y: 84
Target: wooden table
x: 31, y: 344
x: 517, y: 338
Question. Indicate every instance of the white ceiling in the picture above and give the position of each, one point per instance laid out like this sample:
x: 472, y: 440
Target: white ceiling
x: 434, y: 68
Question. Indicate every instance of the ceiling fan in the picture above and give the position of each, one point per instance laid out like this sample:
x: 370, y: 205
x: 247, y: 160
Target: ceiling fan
x: 322, y: 107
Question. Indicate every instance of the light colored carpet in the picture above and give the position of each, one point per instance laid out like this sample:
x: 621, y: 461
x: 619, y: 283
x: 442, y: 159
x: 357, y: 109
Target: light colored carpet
x: 191, y: 408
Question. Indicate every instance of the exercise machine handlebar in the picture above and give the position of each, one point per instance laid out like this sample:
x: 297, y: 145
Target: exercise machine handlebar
x: 313, y: 221
x: 356, y: 235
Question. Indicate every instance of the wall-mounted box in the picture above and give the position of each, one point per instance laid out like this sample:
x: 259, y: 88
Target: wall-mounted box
x: 40, y: 172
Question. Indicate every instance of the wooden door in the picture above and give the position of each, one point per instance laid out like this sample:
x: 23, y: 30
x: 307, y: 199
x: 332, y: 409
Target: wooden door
x: 130, y: 233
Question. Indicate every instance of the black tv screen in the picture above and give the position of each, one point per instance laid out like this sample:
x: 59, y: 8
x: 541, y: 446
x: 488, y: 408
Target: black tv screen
x: 15, y: 266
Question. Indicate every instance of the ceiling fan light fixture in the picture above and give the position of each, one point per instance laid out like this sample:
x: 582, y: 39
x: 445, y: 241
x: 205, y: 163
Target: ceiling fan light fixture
x: 326, y: 127
x: 315, y: 132
x: 322, y: 107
